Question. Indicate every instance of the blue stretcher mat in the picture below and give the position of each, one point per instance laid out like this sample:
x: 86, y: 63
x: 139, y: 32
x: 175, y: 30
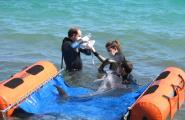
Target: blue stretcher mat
x: 47, y: 101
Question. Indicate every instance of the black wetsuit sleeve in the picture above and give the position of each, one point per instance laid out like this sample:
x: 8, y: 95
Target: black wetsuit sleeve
x: 85, y: 51
x: 100, y: 57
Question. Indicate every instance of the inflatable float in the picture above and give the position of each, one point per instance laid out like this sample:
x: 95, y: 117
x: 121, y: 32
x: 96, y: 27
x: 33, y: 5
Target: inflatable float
x: 19, y: 86
x: 162, y: 98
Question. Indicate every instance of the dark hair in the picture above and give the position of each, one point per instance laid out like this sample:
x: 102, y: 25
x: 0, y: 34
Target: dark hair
x: 114, y: 44
x: 72, y: 31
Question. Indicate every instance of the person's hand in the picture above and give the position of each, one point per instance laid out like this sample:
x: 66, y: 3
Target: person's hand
x: 100, y: 70
x: 125, y: 82
x: 93, y: 49
x: 88, y: 46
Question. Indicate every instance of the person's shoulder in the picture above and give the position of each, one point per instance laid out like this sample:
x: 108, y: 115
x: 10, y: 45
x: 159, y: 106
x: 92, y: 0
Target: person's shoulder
x: 119, y: 57
x: 66, y: 40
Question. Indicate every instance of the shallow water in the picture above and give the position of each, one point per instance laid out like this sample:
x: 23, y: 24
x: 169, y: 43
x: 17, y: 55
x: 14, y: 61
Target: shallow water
x: 151, y: 34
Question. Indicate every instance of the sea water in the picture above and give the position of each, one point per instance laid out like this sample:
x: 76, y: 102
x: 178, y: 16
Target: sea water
x: 151, y: 33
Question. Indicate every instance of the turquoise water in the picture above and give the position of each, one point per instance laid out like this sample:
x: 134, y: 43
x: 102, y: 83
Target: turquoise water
x: 152, y: 34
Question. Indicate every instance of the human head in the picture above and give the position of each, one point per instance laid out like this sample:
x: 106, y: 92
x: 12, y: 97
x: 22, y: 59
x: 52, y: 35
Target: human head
x: 74, y: 33
x: 113, y: 47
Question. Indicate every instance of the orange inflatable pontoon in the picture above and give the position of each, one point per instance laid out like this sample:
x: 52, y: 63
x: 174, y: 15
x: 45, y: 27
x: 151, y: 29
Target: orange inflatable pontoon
x: 163, y: 97
x: 18, y: 87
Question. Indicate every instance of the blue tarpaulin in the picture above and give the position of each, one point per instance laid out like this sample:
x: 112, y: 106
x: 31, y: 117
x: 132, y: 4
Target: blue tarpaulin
x: 82, y: 102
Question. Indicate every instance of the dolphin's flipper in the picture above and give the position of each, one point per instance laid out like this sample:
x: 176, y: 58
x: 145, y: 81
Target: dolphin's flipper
x: 101, y: 79
x: 98, y: 80
x: 61, y: 92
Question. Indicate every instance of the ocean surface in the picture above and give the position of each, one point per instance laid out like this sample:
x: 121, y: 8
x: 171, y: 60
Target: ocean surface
x: 151, y: 33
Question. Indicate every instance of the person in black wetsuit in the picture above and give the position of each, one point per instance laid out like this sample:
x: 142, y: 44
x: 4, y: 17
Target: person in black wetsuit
x: 70, y: 54
x: 117, y: 60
